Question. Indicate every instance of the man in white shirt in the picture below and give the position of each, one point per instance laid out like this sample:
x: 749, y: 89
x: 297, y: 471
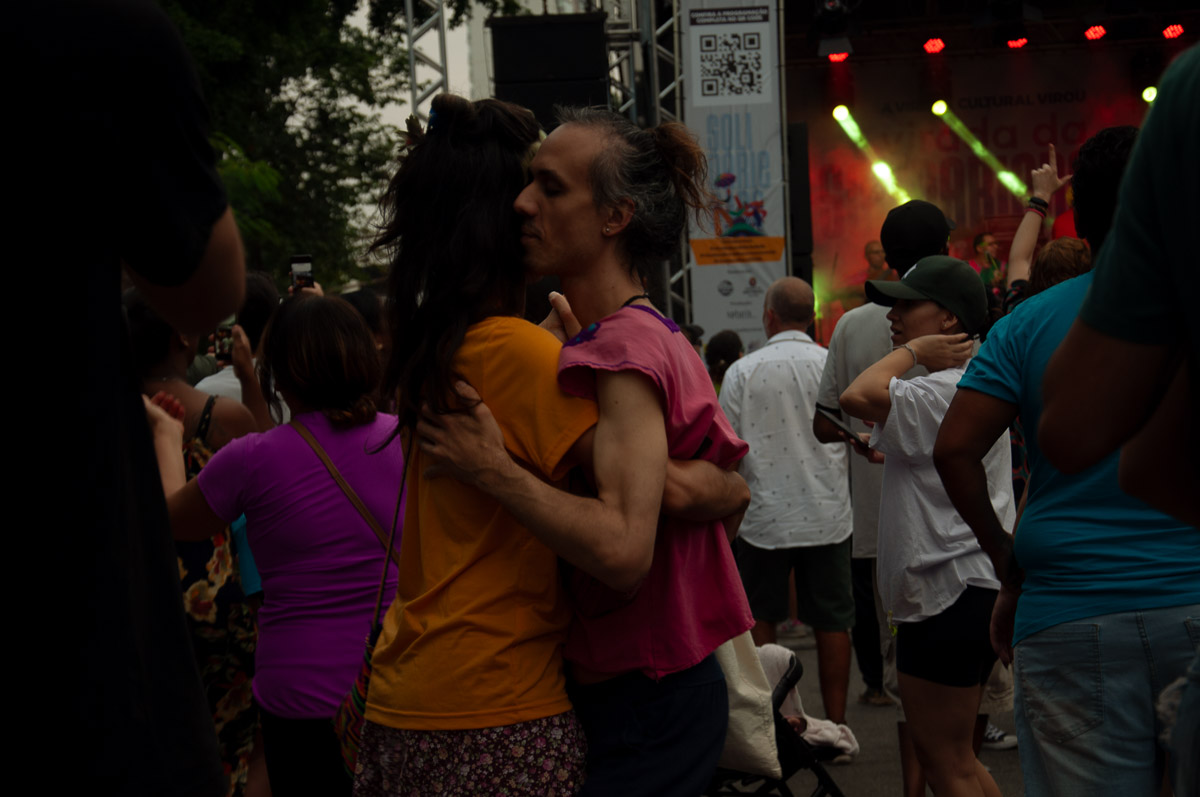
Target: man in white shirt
x: 799, y: 517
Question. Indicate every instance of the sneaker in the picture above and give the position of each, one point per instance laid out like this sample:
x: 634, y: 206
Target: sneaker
x: 875, y: 697
x: 996, y: 739
x: 792, y: 634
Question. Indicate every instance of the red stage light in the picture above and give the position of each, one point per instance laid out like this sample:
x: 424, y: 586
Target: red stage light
x: 1017, y: 44
x: 837, y: 58
x: 934, y: 46
x: 1172, y: 31
x: 1094, y: 32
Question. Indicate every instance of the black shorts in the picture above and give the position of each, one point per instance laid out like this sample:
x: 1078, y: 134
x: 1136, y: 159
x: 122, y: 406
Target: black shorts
x: 951, y: 648
x: 824, y: 587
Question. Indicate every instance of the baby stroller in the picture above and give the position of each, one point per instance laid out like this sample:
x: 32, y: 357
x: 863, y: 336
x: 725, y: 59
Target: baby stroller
x: 795, y: 754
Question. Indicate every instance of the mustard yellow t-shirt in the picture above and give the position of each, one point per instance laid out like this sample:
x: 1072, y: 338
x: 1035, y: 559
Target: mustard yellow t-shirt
x: 474, y: 637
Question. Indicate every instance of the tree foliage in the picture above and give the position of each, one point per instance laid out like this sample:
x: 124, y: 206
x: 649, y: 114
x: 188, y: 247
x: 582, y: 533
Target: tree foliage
x: 295, y: 90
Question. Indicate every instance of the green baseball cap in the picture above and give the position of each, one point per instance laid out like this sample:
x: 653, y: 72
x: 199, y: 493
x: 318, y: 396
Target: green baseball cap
x: 950, y: 282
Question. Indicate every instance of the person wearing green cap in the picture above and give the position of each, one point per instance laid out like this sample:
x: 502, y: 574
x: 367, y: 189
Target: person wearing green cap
x: 936, y: 583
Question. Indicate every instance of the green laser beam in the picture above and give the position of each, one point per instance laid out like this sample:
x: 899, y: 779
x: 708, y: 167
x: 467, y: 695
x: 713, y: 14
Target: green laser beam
x: 881, y: 170
x: 883, y: 173
x: 1006, y: 178
x: 851, y: 128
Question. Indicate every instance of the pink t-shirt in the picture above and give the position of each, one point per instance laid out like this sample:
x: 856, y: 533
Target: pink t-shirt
x: 319, y: 560
x: 692, y: 600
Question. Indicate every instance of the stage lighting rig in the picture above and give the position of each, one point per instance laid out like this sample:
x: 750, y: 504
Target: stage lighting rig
x: 831, y: 23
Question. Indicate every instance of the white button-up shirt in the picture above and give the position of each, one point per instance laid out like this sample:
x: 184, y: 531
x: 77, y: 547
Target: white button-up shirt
x: 928, y: 555
x: 798, y: 486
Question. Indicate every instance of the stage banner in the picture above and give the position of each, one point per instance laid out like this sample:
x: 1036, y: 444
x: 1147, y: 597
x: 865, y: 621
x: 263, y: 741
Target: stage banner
x: 732, y: 104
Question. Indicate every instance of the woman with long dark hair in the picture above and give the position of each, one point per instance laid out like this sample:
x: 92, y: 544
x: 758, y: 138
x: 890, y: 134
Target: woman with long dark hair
x: 319, y: 557
x: 467, y: 689
x: 219, y: 617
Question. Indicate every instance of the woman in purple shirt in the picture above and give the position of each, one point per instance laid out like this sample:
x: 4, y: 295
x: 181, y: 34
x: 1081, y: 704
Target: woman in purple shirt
x: 320, y: 561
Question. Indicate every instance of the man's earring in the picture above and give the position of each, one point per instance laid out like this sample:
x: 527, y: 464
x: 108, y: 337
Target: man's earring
x: 606, y: 229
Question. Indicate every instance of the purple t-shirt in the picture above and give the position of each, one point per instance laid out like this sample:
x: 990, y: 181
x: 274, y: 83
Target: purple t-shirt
x: 319, y: 560
x: 692, y: 599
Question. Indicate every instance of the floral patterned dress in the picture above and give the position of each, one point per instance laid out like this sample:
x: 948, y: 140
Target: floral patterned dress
x: 222, y: 628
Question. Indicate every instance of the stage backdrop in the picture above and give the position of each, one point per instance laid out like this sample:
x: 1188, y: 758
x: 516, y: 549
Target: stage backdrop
x: 733, y: 105
x: 1017, y: 103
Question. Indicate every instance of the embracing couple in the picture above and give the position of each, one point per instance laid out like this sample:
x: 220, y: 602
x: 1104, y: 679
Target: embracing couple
x: 569, y: 496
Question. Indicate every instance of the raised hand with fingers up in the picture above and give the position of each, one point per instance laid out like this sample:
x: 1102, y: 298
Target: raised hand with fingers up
x: 1046, y: 181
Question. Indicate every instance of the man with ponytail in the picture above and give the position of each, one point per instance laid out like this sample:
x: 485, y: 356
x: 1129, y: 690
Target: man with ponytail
x: 655, y: 587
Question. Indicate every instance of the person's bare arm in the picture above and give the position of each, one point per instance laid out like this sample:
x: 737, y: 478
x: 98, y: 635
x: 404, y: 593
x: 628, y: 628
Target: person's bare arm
x: 973, y: 423
x: 243, y: 369
x: 696, y: 489
x: 1154, y: 467
x: 867, y: 398
x: 825, y: 430
x: 611, y: 537
x: 191, y: 516
x: 214, y: 291
x: 1046, y: 183
x: 1020, y: 254
x: 1098, y: 391
x: 166, y: 432
x: 230, y: 420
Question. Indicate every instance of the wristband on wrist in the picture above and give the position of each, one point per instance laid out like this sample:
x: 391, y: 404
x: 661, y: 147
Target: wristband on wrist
x: 910, y: 350
x: 1037, y: 210
x: 1035, y: 201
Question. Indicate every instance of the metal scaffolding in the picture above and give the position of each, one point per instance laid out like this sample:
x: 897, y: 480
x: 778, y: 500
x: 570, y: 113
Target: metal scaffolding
x: 413, y: 36
x: 646, y: 84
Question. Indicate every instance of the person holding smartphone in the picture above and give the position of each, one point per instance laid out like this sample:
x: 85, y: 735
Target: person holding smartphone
x: 937, y: 585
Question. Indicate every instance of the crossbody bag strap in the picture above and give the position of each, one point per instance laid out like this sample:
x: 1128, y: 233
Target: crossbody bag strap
x: 384, y: 539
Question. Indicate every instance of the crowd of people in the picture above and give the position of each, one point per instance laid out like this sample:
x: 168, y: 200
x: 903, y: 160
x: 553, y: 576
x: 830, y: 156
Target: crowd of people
x: 521, y: 546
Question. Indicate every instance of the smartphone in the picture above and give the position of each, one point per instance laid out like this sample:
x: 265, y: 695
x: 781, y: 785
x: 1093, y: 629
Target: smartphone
x: 839, y: 423
x: 302, y: 274
x: 223, y: 340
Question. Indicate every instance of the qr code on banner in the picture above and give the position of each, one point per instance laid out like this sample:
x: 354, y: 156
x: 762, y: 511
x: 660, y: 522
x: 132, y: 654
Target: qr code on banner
x: 731, y: 65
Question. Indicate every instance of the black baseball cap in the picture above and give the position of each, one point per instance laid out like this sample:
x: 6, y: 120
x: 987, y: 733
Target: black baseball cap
x: 912, y: 231
x: 950, y: 282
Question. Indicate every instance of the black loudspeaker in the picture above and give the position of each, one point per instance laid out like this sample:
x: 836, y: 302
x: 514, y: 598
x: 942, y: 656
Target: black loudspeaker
x: 800, y: 201
x: 548, y: 60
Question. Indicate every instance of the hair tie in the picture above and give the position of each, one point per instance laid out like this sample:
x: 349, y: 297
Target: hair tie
x: 434, y: 122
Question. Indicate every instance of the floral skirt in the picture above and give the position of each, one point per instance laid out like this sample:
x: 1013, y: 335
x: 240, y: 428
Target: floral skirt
x: 224, y: 638
x: 544, y: 757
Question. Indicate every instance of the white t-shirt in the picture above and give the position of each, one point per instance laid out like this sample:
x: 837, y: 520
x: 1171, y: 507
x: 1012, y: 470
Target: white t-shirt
x: 861, y: 338
x: 798, y: 485
x: 927, y: 554
x: 225, y: 383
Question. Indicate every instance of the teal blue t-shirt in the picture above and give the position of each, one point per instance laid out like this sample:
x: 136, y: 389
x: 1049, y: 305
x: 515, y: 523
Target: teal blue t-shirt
x: 1086, y: 547
x: 247, y: 569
